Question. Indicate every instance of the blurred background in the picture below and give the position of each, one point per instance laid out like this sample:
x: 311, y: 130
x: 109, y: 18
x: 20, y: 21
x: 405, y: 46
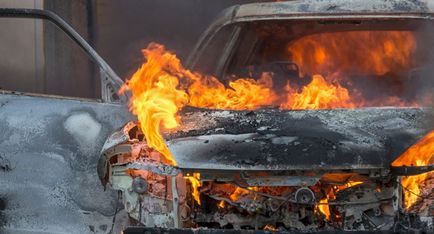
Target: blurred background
x: 37, y: 57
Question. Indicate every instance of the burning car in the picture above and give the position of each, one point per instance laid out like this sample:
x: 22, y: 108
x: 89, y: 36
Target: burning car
x: 300, y: 115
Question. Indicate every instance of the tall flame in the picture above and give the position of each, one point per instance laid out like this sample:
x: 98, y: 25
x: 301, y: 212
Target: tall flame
x: 419, y: 154
x: 155, y: 96
x: 323, y: 207
x: 195, y: 184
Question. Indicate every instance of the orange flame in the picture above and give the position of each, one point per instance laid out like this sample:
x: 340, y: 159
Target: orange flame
x: 419, y: 154
x: 323, y: 206
x: 270, y: 227
x: 238, y: 193
x: 195, y: 184
x: 318, y: 94
x: 366, y: 52
x: 155, y: 96
x: 242, y: 94
x: 162, y: 86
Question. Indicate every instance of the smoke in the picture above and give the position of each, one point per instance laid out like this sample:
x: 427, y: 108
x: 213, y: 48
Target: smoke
x: 125, y: 28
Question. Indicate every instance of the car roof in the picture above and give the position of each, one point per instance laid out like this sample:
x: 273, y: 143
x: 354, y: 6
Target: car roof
x: 270, y: 9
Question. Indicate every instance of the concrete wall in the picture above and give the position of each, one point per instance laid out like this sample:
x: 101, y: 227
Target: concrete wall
x: 21, y: 54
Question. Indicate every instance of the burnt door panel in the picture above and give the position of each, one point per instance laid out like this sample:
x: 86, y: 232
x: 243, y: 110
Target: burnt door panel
x: 49, y: 148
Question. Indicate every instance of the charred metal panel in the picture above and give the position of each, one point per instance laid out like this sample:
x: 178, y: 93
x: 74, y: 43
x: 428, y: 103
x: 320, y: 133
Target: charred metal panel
x: 51, y: 147
x: 271, y: 139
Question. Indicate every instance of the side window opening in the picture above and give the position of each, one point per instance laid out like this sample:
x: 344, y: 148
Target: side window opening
x: 38, y: 57
x: 211, y: 56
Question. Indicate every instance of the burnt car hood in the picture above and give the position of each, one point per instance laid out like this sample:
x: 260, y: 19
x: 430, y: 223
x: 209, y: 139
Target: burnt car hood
x: 272, y: 139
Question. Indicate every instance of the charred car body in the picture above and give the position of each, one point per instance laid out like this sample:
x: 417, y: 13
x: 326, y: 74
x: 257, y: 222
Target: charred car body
x: 270, y: 181
x: 263, y: 169
x: 271, y: 169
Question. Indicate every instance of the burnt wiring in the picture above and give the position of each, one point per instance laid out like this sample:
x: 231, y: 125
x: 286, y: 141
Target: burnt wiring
x: 287, y: 199
x: 140, y: 208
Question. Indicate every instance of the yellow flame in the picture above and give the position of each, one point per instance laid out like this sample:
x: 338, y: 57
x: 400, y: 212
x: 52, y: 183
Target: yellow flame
x: 156, y: 97
x: 323, y: 207
x: 270, y: 227
x: 318, y: 94
x: 419, y: 154
x: 195, y: 184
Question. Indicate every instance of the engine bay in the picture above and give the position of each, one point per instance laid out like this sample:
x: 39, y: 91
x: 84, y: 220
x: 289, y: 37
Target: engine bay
x: 157, y: 194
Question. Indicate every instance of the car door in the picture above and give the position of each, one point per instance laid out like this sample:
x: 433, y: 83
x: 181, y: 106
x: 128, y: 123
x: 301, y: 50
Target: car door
x: 50, y: 144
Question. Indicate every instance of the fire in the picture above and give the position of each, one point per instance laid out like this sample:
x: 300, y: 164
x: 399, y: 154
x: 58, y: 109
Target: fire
x: 270, y: 227
x: 364, y: 52
x: 419, y: 154
x: 242, y: 94
x: 155, y: 96
x: 195, y: 184
x: 238, y: 193
x: 318, y: 94
x: 323, y: 206
x: 349, y: 184
x: 162, y: 86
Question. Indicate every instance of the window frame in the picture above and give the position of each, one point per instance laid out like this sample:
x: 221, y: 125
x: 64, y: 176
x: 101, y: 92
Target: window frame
x: 227, y: 18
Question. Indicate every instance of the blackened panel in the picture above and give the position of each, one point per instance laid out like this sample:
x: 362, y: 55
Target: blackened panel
x: 306, y: 139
